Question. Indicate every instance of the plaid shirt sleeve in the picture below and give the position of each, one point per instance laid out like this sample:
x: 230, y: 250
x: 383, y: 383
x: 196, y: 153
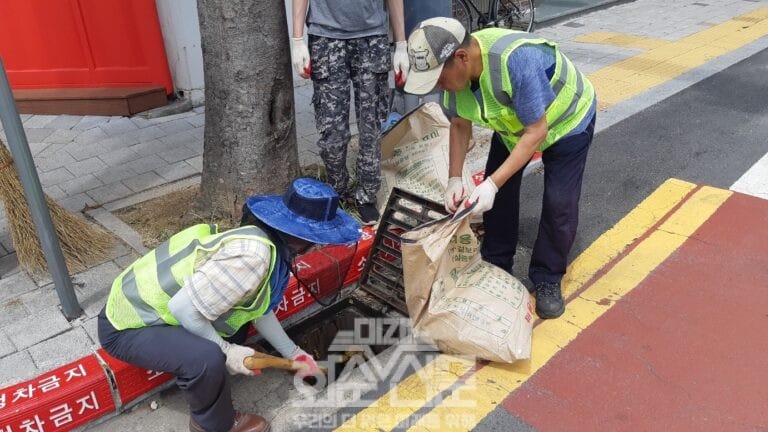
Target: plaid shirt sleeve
x: 226, y: 278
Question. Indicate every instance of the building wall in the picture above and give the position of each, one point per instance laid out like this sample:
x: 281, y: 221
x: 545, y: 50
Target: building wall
x: 181, y: 35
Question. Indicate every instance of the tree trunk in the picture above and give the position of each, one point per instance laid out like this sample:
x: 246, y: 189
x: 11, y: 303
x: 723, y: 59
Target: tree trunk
x: 250, y: 138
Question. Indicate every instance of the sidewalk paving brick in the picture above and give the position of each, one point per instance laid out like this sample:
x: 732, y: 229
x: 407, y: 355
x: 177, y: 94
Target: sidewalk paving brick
x: 80, y: 184
x: 119, y: 157
x: 12, y: 311
x: 144, y: 181
x: 54, y: 159
x: 177, y: 171
x: 148, y: 148
x: 145, y: 164
x: 27, y: 331
x: 117, y: 126
x: 55, y: 177
x: 141, y: 122
x: 64, y: 121
x: 41, y: 298
x: 114, y: 174
x: 37, y: 135
x: 6, y: 346
x: 196, y: 162
x: 61, y: 136
x: 146, y: 134
x: 61, y: 349
x: 180, y: 138
x: 91, y: 136
x: 178, y: 125
x: 15, y: 285
x: 38, y: 121
x: 87, y: 166
x: 109, y: 192
x: 178, y: 153
x: 90, y: 122
x: 16, y: 368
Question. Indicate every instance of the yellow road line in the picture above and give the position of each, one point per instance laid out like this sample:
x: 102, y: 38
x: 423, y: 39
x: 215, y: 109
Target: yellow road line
x: 665, y: 60
x: 494, y: 382
x: 418, y: 389
x: 409, y: 395
x: 614, y: 241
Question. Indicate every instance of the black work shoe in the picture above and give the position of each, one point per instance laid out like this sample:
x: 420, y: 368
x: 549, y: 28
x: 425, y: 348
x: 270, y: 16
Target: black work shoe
x: 369, y: 214
x: 549, y: 300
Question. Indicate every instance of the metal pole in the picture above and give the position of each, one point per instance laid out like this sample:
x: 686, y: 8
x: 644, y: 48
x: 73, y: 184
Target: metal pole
x: 41, y: 216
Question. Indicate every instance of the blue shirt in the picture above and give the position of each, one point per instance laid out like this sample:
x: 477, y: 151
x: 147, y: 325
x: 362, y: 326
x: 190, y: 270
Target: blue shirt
x: 531, y: 67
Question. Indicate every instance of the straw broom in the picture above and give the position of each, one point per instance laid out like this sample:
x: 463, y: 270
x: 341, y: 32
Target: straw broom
x: 82, y: 243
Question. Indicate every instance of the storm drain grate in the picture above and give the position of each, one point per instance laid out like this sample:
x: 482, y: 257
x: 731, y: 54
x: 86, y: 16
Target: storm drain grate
x: 382, y: 276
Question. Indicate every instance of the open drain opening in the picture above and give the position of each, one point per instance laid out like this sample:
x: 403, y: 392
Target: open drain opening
x: 374, y: 317
x: 346, y: 334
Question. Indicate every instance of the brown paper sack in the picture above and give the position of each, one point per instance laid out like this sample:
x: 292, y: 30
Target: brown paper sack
x: 462, y: 303
x: 414, y: 155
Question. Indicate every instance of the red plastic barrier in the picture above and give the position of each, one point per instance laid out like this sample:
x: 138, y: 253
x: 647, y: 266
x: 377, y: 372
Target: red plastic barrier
x: 59, y: 400
x: 132, y: 381
x: 321, y: 270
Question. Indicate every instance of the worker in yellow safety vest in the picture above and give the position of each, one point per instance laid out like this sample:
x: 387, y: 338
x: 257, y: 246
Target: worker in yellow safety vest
x: 183, y: 307
x: 534, y: 99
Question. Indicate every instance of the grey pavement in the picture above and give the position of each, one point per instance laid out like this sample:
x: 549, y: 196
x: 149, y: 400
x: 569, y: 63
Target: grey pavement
x: 105, y: 161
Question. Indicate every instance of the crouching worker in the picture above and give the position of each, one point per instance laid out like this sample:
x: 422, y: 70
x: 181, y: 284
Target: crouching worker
x: 183, y: 308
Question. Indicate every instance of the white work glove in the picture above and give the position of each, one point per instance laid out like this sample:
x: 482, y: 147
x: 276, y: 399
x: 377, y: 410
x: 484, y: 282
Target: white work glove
x: 300, y: 56
x: 236, y: 354
x: 484, y: 194
x: 400, y: 63
x: 300, y: 355
x: 454, y: 194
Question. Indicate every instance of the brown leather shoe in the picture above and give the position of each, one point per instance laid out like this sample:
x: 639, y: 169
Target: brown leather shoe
x: 243, y: 423
x: 249, y: 423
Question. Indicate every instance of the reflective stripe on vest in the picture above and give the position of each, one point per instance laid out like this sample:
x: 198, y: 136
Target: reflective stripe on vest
x: 573, y: 92
x: 140, y: 295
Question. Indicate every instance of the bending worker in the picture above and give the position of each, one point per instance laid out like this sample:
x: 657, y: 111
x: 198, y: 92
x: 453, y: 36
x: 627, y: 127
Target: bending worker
x: 533, y: 98
x: 183, y: 308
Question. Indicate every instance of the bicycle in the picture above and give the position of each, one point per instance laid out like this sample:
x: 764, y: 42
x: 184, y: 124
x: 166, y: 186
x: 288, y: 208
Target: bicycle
x: 510, y: 14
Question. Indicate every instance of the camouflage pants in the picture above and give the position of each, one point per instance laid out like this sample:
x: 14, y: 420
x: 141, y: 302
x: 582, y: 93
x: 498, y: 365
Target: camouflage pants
x: 365, y: 63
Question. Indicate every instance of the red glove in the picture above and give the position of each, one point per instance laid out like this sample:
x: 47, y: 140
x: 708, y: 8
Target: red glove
x: 301, y: 356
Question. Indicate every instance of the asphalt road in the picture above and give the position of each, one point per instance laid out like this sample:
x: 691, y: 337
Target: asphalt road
x: 710, y: 133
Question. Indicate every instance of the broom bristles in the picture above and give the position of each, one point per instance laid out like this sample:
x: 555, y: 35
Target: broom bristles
x: 82, y: 243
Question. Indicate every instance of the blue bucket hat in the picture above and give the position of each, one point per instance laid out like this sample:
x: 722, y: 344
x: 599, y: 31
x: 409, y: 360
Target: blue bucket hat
x: 309, y: 210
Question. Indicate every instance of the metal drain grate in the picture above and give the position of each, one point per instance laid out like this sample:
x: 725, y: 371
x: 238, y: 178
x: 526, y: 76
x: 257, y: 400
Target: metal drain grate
x: 382, y: 276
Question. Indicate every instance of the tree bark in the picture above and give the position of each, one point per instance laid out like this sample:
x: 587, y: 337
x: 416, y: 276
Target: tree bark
x: 250, y: 137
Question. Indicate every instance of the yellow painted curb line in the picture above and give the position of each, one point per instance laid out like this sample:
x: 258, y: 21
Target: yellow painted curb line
x: 493, y: 383
x: 415, y: 391
x: 665, y: 60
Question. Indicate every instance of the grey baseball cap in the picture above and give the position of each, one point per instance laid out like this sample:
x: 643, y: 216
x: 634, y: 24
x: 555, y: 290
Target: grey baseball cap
x: 430, y: 44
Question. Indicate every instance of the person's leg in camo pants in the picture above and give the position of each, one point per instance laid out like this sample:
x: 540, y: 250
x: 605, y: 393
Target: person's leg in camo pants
x: 370, y: 62
x: 336, y: 62
x: 330, y: 81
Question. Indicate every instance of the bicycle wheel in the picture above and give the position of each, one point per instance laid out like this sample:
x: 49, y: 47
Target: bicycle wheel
x: 461, y: 12
x: 514, y: 14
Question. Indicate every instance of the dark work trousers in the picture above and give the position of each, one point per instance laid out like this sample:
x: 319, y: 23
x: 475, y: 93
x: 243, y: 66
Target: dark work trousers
x: 564, y: 163
x: 197, y: 363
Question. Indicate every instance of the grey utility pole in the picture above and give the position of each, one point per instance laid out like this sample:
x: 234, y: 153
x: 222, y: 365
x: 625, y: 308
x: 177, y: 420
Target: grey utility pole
x: 41, y: 215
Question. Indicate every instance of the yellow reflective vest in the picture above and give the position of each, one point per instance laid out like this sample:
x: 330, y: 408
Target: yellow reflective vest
x: 139, y: 296
x: 574, y: 93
